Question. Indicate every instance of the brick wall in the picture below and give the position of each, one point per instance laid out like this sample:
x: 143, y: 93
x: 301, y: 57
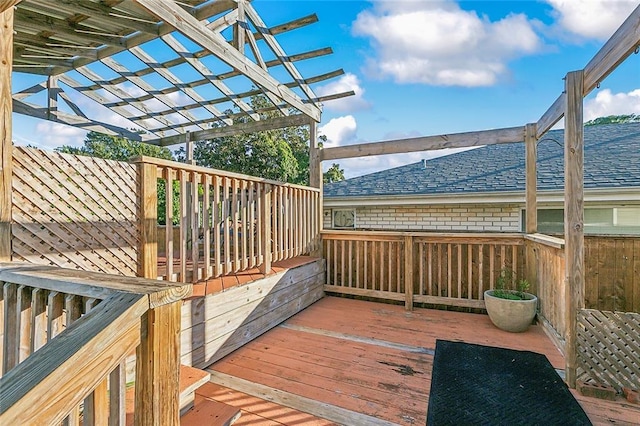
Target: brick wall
x: 505, y: 218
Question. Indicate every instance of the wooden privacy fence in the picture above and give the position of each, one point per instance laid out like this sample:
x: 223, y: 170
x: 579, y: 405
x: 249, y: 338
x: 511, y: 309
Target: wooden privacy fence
x: 227, y: 222
x: 74, y: 211
x: 65, y: 337
x: 447, y: 269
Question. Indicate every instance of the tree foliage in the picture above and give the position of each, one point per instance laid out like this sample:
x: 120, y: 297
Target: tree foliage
x: 614, y: 119
x: 279, y: 154
x: 334, y: 174
x: 115, y: 148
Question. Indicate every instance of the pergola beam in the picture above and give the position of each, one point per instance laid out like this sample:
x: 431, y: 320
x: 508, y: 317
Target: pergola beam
x: 193, y: 29
x: 219, y: 132
x: 426, y: 143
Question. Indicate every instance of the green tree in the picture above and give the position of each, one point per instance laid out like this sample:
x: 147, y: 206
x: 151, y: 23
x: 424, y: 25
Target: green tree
x: 614, y: 119
x: 115, y: 148
x: 334, y: 174
x: 279, y: 154
x: 123, y: 149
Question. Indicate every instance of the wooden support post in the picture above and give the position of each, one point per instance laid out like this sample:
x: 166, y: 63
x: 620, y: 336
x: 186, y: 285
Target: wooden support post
x: 265, y: 232
x: 52, y: 97
x: 148, y: 220
x: 315, y: 181
x: 239, y: 33
x: 573, y: 215
x: 158, y: 367
x: 531, y: 209
x: 408, y: 272
x: 11, y: 330
x: 6, y: 63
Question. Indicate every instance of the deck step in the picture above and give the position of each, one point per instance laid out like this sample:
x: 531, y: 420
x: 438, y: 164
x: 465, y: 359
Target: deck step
x: 207, y: 412
x: 190, y: 380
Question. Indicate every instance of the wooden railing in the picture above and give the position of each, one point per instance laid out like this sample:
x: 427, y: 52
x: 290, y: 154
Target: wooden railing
x: 432, y: 268
x: 65, y: 337
x: 547, y: 273
x: 228, y: 222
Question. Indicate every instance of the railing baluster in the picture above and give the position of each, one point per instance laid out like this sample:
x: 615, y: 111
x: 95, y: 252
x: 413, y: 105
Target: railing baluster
x: 117, y: 394
x: 218, y: 218
x: 168, y: 236
x: 195, y: 232
x: 96, y: 406
x: 38, y: 319
x: 55, y: 314
x: 11, y: 331
x: 183, y: 225
x: 206, y: 227
x: 24, y: 323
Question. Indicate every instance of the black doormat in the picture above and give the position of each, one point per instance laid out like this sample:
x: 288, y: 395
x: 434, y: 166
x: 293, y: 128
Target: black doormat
x: 483, y: 385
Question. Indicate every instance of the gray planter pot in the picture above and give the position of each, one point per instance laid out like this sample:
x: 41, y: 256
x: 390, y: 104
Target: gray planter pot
x: 511, y: 315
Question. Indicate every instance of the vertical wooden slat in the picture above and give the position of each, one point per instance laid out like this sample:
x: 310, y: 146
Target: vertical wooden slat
x: 6, y: 64
x: 266, y: 232
x: 335, y: 262
x: 158, y: 367
x: 421, y: 268
x: 573, y: 213
x: 342, y: 263
x: 359, y: 251
x: 328, y: 255
x: 226, y: 217
x: 430, y: 268
x: 350, y: 263
x: 381, y: 251
x: 206, y: 226
x: 261, y: 216
x: 531, y: 156
x: 24, y: 323
x: 492, y: 254
x: 481, y: 271
x: 184, y: 220
x: 148, y: 221
x: 390, y: 261
x: 449, y: 271
x: 117, y: 396
x: 408, y: 272
x: 439, y: 260
x: 459, y: 295
x: 244, y: 225
x: 366, y: 281
x: 282, y: 222
x: 73, y: 308
x: 168, y: 237
x: 96, y: 406
x: 38, y: 319
x: 195, y: 213
x: 470, y: 271
x: 11, y: 332
x: 252, y: 225
x: 218, y: 220
x: 235, y: 228
x: 55, y: 314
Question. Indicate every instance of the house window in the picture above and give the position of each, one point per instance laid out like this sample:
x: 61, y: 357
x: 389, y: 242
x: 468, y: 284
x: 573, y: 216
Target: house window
x: 597, y: 220
x: 345, y: 219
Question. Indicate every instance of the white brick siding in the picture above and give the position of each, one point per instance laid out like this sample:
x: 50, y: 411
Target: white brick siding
x: 505, y: 218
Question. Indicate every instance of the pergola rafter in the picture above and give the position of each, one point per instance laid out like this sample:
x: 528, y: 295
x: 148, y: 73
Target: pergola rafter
x: 132, y: 57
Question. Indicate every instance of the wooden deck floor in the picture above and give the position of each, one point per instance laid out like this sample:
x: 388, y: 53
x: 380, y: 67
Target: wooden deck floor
x: 364, y: 363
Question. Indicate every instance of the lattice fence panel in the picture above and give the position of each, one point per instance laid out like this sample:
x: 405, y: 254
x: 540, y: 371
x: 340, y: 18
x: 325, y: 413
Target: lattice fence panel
x: 74, y: 211
x: 609, y: 348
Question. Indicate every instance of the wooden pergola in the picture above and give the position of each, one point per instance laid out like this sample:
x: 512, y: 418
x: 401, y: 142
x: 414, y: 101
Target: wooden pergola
x: 177, y: 71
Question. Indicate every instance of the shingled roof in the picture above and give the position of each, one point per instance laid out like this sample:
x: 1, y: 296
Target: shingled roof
x: 612, y: 160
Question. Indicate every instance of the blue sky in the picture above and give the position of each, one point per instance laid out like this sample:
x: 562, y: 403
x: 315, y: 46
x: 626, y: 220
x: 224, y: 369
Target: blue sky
x: 438, y: 66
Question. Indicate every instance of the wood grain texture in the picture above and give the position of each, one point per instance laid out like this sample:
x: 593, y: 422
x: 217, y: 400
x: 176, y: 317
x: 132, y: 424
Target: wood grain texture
x: 89, y: 351
x: 148, y: 220
x: 157, y: 367
x: 574, y: 212
x: 426, y: 143
x: 621, y: 44
x: 531, y: 158
x: 6, y: 64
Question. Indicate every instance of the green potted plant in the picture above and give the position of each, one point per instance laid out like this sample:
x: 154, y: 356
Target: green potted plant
x: 510, y: 309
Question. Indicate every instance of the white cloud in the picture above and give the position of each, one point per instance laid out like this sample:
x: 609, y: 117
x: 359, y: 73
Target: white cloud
x: 353, y: 103
x: 339, y: 131
x: 596, y: 19
x: 436, y: 42
x: 53, y: 135
x: 606, y: 103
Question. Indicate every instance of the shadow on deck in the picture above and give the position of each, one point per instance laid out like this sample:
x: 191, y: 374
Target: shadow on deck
x: 356, y: 362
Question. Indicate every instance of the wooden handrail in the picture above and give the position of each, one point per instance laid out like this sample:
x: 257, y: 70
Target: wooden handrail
x: 208, y: 171
x: 73, y: 364
x: 92, y: 284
